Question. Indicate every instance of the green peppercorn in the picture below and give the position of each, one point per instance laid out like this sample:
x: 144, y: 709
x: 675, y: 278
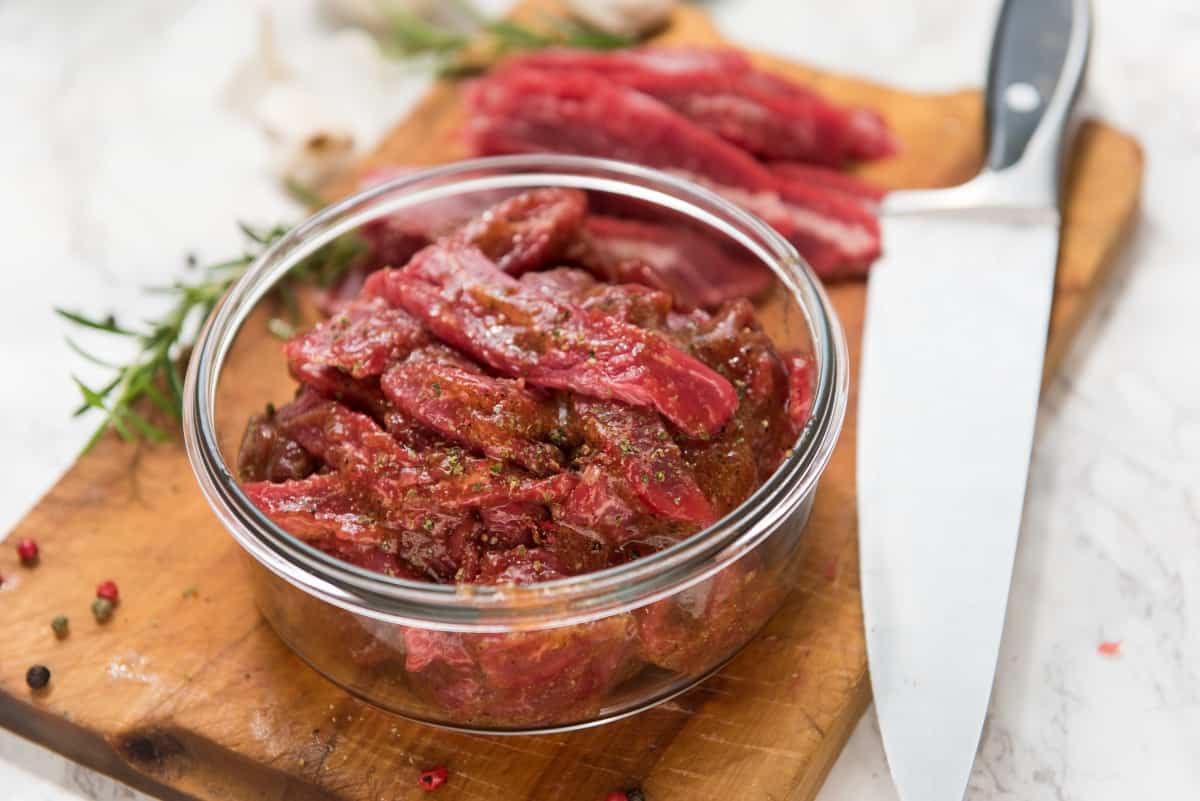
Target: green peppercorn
x: 102, y: 609
x: 635, y: 794
x: 37, y: 677
x: 61, y: 626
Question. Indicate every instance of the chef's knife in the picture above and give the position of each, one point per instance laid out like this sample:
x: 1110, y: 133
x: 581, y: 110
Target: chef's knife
x: 957, y: 312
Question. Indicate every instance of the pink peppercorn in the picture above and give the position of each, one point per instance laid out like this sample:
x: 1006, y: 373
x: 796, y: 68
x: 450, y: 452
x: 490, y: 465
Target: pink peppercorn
x: 434, y: 778
x: 27, y: 550
x: 107, y: 590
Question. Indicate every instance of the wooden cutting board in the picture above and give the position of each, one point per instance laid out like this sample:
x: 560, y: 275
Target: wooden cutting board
x: 189, y: 695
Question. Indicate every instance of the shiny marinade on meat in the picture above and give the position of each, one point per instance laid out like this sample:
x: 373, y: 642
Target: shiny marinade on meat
x: 456, y: 423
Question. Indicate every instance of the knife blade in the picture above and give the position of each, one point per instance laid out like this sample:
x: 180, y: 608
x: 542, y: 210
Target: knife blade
x: 955, y: 334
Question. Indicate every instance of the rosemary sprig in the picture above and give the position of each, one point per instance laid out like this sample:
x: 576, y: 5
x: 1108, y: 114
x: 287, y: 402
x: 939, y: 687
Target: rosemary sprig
x: 457, y: 54
x: 153, y: 375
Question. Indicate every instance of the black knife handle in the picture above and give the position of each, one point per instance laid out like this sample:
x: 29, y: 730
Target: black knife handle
x: 1035, y: 74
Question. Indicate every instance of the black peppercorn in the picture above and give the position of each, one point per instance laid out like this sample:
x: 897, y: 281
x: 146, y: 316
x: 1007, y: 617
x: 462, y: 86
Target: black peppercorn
x: 635, y: 794
x: 37, y: 677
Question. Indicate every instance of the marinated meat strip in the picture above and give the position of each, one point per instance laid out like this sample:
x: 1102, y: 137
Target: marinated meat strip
x: 525, y: 677
x: 466, y: 301
x: 638, y: 445
x: 495, y: 416
x: 696, y: 271
x: 317, y: 507
x: 529, y: 230
x: 267, y: 454
x: 520, y: 232
x: 730, y: 466
x: 632, y: 303
x: 348, y: 441
x: 458, y: 423
x: 406, y: 485
x: 361, y: 340
x: 721, y: 91
x: 710, y: 620
x: 323, y: 511
x: 800, y: 388
x: 561, y: 283
x: 531, y: 111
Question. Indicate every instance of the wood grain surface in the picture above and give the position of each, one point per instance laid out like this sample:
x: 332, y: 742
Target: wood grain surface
x: 189, y: 695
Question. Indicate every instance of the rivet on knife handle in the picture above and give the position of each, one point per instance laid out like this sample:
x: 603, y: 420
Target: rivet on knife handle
x: 1039, y: 55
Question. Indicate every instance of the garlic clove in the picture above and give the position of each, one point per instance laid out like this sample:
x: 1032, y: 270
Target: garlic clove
x: 623, y: 17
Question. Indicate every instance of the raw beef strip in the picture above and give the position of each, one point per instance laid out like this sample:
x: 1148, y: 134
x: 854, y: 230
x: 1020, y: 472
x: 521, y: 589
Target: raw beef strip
x: 763, y: 113
x: 518, y: 111
x: 498, y: 417
x: 843, y: 183
x: 697, y: 271
x: 467, y: 302
x: 525, y: 111
x: 867, y: 136
x: 619, y: 65
x: 836, y: 235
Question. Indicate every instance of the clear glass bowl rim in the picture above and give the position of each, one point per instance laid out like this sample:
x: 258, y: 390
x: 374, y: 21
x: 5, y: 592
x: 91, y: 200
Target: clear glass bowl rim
x: 562, y: 602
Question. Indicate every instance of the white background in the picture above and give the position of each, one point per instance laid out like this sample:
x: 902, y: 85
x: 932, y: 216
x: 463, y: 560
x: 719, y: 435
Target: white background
x: 130, y: 133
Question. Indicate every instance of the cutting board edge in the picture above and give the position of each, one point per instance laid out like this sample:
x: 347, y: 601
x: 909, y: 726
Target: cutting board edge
x: 209, y: 767
x: 101, y: 750
x: 1110, y: 262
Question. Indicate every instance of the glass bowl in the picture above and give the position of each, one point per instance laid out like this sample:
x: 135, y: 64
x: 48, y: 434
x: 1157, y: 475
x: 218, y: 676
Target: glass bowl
x: 557, y: 655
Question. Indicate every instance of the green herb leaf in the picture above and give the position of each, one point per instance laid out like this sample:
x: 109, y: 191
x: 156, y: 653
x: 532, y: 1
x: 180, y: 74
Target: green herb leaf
x: 109, y: 325
x: 87, y: 356
x: 455, y: 55
x: 153, y: 375
x: 302, y: 193
x: 412, y: 35
x: 517, y: 36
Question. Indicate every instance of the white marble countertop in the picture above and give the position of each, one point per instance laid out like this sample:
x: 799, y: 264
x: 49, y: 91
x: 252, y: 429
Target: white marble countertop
x: 126, y: 144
